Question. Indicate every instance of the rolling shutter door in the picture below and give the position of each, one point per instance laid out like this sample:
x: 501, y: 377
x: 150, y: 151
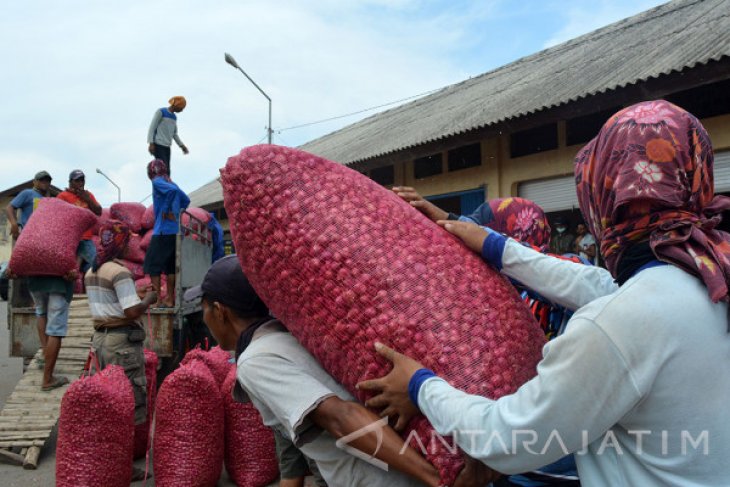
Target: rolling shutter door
x: 551, y: 194
x: 722, y: 171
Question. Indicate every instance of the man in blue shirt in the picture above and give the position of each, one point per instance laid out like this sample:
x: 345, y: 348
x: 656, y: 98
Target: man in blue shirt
x: 168, y: 201
x: 217, y: 237
x: 26, y: 201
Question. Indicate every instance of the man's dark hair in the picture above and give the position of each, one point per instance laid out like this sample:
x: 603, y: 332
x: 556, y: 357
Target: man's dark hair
x: 258, y: 310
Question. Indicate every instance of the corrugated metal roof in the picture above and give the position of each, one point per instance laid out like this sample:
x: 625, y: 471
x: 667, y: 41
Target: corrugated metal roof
x: 671, y: 37
x: 209, y: 194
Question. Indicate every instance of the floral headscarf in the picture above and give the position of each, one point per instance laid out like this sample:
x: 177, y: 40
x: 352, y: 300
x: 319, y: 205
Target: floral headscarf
x: 157, y: 167
x: 647, y: 176
x: 518, y: 218
x: 114, y: 236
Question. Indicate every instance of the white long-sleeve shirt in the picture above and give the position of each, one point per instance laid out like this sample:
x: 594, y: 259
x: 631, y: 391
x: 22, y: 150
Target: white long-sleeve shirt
x: 563, y: 282
x: 637, y: 387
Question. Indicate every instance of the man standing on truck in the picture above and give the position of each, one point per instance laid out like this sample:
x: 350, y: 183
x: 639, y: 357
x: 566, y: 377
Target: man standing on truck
x: 168, y: 200
x: 76, y: 194
x: 116, y: 310
x: 26, y: 201
x: 163, y: 130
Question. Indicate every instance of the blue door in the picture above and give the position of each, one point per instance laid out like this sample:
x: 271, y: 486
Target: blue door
x: 460, y: 202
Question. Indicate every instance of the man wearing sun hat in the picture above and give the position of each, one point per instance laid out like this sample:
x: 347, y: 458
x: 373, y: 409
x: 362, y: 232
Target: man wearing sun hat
x: 163, y: 130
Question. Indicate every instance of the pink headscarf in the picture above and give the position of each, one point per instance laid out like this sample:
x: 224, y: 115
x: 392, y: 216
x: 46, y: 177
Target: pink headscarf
x: 647, y: 176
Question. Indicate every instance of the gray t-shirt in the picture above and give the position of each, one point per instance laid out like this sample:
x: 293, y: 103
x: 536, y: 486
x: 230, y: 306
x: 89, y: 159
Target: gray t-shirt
x: 286, y: 383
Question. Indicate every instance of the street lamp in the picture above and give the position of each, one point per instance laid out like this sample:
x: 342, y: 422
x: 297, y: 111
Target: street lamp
x: 119, y: 191
x: 232, y: 62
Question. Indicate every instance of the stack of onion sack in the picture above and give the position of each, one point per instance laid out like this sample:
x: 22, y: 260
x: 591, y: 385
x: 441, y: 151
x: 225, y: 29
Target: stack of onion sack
x: 142, y: 431
x: 250, y: 448
x: 344, y: 262
x: 95, y: 431
x: 188, y: 439
x: 129, y: 213
x: 47, y: 245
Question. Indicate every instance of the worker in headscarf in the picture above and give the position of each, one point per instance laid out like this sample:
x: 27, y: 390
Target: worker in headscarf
x: 116, y: 310
x: 648, y: 358
x: 168, y: 200
x: 163, y: 130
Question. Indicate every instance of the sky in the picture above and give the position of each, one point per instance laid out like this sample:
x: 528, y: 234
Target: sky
x: 80, y: 80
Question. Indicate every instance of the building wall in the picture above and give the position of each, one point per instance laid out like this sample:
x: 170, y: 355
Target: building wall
x: 5, y: 238
x: 502, y: 174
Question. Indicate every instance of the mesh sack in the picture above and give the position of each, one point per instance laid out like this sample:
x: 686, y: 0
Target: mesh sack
x: 135, y: 268
x: 148, y: 218
x: 142, y: 431
x: 95, y: 431
x: 144, y: 244
x: 198, y: 213
x: 250, y: 449
x: 129, y: 213
x: 342, y: 262
x: 217, y: 360
x: 97, y: 243
x: 101, y: 220
x: 134, y: 252
x: 142, y: 284
x: 189, y: 419
x: 47, y: 245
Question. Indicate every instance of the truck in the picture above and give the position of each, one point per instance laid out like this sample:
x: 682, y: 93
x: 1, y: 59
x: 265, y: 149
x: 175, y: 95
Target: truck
x: 171, y: 332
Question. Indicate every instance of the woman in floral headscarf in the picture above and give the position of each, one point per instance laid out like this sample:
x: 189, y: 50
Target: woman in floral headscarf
x: 639, y: 371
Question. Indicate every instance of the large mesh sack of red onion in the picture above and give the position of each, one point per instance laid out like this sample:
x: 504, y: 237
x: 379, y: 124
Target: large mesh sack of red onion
x: 344, y: 262
x: 189, y: 421
x: 47, y: 245
x: 250, y: 449
x: 134, y: 252
x: 142, y: 431
x: 217, y: 360
x: 130, y: 213
x: 95, y: 431
x: 148, y: 218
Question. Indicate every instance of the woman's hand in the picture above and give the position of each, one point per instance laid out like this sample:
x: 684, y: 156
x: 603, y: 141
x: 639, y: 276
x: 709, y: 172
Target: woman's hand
x: 471, y: 234
x: 392, y: 390
x: 411, y: 196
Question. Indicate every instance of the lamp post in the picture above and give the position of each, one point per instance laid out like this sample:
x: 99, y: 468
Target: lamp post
x: 119, y: 191
x: 232, y: 62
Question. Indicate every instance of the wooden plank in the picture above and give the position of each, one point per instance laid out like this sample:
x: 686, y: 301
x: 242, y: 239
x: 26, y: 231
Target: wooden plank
x: 31, y: 458
x: 24, y: 435
x: 11, y: 457
x: 28, y: 443
x: 27, y: 426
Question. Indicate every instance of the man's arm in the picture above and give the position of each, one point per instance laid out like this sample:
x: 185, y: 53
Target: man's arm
x: 94, y: 205
x: 10, y: 212
x: 138, y: 310
x: 566, y: 283
x: 180, y: 142
x: 153, y: 127
x: 341, y: 418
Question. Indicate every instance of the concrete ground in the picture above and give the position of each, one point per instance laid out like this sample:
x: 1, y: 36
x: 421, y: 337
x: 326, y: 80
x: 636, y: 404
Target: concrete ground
x: 11, y: 369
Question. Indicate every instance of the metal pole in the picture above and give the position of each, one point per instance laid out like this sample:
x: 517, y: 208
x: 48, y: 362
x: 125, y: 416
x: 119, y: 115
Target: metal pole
x: 119, y: 190
x: 270, y: 129
x: 229, y: 59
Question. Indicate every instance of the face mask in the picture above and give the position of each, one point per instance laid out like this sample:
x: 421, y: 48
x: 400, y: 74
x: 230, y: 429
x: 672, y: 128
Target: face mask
x: 560, y: 229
